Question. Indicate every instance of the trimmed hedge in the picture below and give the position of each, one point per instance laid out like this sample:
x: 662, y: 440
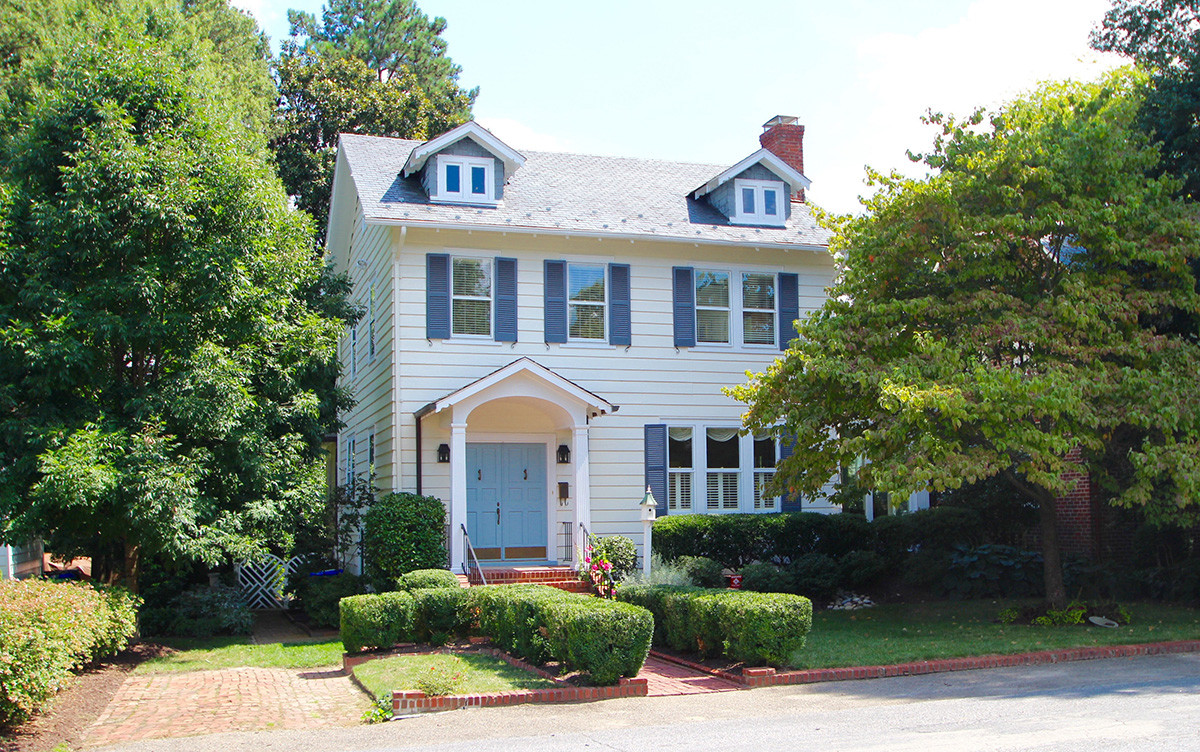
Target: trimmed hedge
x: 49, y: 629
x: 428, y: 578
x: 756, y: 628
x: 377, y: 621
x: 402, y: 532
x: 603, y: 638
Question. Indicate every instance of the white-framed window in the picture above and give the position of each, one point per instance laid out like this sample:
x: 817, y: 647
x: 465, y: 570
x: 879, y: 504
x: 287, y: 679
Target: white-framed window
x: 471, y: 296
x: 680, y: 459
x: 758, y: 308
x: 766, y: 454
x: 731, y: 470
x: 587, y: 302
x: 465, y: 179
x: 712, y: 306
x: 371, y: 454
x: 371, y: 324
x: 353, y: 354
x: 723, y: 465
x: 759, y: 202
x: 735, y: 307
x: 351, y: 448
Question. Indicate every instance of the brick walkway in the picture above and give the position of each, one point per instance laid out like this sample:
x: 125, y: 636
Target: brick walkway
x: 238, y: 699
x: 666, y: 678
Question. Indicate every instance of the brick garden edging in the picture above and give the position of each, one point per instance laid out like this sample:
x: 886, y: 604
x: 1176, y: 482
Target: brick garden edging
x: 769, y: 677
x: 407, y: 702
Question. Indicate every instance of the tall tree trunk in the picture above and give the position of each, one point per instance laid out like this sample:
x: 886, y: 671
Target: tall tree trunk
x: 133, y: 564
x: 1056, y: 591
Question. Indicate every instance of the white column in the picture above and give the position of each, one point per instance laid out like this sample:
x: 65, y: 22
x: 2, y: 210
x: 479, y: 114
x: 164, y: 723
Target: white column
x: 458, y: 493
x: 583, y: 484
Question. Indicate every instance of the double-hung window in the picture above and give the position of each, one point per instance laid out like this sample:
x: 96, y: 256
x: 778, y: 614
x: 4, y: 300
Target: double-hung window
x: 371, y: 325
x: 471, y: 296
x: 712, y: 306
x: 716, y: 470
x: 679, y: 469
x: 353, y: 354
x: 765, y: 456
x: 466, y: 179
x: 741, y: 313
x: 723, y: 465
x: 759, y: 202
x: 587, y: 301
x: 758, y: 308
x: 350, y: 450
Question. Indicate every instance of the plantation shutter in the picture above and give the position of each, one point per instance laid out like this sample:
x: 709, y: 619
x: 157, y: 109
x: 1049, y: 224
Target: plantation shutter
x: 506, y: 300
x: 556, y: 301
x: 437, y: 296
x: 788, y: 502
x: 684, y: 306
x: 618, y: 305
x: 656, y: 464
x: 789, y: 308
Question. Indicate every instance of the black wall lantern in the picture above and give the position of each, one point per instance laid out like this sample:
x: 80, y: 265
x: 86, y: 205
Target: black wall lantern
x: 564, y: 454
x: 443, y: 452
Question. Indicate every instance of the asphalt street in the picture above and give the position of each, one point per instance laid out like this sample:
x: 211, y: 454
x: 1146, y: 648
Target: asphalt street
x: 1148, y: 703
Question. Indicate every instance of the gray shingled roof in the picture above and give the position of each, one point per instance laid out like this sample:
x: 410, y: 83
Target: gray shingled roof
x: 566, y: 193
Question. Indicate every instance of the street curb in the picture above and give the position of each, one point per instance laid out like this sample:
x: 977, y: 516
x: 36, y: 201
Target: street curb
x: 768, y: 677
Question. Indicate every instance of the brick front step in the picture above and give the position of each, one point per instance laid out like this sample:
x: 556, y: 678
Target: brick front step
x: 532, y: 575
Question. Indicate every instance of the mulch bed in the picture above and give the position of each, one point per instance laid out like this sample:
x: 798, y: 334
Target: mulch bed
x: 66, y: 717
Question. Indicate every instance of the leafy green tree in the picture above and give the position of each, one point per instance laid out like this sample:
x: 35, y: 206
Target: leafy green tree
x: 1164, y: 37
x: 375, y: 67
x: 999, y: 313
x: 163, y: 365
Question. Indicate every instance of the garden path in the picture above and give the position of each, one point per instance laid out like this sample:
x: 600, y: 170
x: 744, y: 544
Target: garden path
x: 664, y: 678
x: 159, y: 706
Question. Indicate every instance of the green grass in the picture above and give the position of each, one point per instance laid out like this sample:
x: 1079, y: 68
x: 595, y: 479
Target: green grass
x: 231, y: 652
x: 480, y: 674
x: 897, y: 633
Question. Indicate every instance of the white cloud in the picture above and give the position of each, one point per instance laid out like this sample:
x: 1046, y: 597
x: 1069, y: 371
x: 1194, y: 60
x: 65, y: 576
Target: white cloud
x: 520, y: 136
x: 996, y: 51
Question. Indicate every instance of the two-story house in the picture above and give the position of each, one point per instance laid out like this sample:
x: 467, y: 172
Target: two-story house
x: 547, y: 334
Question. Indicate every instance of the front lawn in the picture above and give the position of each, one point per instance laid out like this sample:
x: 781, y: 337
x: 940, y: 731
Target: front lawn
x: 902, y: 632
x: 232, y: 652
x: 476, y: 674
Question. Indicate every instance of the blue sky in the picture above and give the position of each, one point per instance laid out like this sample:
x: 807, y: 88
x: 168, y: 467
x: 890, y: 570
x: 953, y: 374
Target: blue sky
x: 695, y: 80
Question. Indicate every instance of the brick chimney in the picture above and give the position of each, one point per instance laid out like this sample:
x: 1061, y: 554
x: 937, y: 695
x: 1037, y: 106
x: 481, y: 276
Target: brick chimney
x: 783, y: 136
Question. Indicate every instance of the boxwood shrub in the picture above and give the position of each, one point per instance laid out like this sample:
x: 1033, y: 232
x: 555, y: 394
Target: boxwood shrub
x: 402, y: 532
x: 440, y: 613
x: 427, y: 578
x: 49, y: 629
x: 757, y: 628
x: 377, y: 621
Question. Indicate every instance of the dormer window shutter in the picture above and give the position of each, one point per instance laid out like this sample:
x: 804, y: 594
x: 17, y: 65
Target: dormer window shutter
x: 789, y: 307
x: 619, y: 329
x: 556, y: 301
x: 684, y: 306
x: 656, y: 464
x: 437, y: 296
x: 506, y: 300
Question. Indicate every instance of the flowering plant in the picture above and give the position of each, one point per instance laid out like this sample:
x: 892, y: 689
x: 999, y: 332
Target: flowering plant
x: 597, y: 569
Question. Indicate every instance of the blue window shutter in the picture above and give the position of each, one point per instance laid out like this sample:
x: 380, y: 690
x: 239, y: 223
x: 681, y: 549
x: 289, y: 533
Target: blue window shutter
x: 437, y: 296
x: 789, y: 502
x: 789, y: 308
x: 618, y: 305
x: 506, y: 300
x: 656, y: 464
x: 685, y: 306
x: 556, y: 301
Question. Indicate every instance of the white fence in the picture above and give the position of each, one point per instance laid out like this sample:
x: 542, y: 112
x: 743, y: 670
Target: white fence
x: 262, y: 582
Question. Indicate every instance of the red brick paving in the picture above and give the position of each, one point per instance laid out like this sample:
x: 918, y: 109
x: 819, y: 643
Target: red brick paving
x: 239, y: 699
x: 665, y: 678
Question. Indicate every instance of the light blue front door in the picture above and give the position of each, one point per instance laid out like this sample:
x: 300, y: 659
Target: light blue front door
x: 506, y: 500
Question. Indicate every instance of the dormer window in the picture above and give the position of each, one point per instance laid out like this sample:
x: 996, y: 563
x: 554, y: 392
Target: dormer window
x: 465, y: 179
x: 759, y: 202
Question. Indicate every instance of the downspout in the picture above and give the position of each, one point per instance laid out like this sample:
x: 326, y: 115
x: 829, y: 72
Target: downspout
x: 418, y: 421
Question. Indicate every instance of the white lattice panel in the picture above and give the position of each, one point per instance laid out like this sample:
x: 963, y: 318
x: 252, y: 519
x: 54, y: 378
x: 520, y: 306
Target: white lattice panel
x: 262, y: 581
